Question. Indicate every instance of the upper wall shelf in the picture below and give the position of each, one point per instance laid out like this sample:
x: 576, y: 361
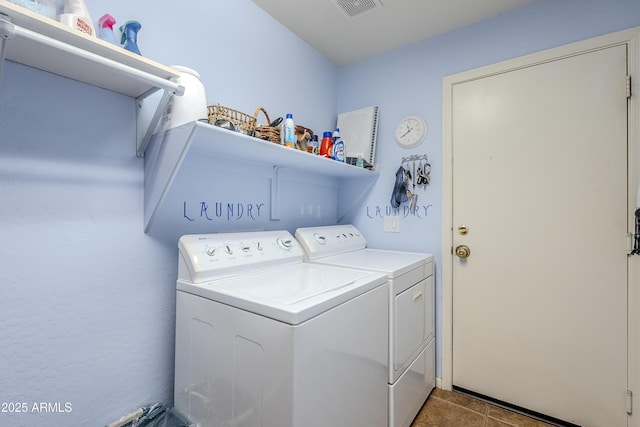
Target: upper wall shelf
x: 48, y: 45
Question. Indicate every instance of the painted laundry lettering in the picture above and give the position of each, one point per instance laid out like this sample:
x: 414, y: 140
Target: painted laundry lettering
x: 221, y: 211
x: 420, y: 211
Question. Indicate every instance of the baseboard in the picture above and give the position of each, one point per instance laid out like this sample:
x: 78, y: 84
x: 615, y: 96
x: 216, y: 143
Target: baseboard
x: 438, y: 382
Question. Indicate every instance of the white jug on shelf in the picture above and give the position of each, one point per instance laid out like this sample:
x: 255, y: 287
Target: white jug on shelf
x: 189, y: 107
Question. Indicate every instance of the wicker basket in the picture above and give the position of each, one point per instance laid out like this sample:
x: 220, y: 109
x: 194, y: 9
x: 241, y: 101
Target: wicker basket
x: 241, y: 121
x: 266, y: 132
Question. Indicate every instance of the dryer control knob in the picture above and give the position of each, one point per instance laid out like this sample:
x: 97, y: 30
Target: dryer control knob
x: 211, y: 251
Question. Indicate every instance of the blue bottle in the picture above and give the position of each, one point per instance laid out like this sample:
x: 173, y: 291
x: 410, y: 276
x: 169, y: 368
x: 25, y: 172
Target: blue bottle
x: 130, y: 36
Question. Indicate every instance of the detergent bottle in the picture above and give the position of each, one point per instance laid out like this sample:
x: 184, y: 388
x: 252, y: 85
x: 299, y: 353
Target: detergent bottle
x: 129, y: 37
x: 326, y: 146
x: 77, y: 16
x: 105, y: 24
x: 338, y: 146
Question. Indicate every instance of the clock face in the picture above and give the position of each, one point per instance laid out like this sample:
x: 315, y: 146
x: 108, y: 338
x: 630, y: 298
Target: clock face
x: 411, y: 131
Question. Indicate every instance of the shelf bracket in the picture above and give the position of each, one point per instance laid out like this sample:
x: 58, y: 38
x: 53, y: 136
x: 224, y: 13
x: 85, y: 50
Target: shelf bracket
x: 143, y: 136
x: 275, y: 197
x: 7, y: 31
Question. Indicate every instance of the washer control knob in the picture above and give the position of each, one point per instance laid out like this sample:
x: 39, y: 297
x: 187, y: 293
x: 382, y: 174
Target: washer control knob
x: 245, y: 248
x: 284, y: 244
x: 320, y: 239
x: 259, y: 246
x: 228, y: 249
x: 211, y: 251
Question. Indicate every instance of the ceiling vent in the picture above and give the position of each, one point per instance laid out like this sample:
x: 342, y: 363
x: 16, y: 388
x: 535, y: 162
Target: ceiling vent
x: 355, y: 8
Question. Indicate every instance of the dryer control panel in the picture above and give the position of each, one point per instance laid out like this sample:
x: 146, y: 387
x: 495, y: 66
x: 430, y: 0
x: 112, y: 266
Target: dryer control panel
x: 204, y: 257
x: 319, y: 242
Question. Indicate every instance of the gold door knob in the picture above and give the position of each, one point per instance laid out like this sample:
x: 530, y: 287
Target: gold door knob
x: 463, y: 251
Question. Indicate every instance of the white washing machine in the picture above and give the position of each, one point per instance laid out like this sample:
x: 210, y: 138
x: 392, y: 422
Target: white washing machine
x: 264, y: 339
x: 411, y: 369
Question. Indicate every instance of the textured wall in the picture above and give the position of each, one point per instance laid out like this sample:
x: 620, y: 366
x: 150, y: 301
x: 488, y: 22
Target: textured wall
x: 86, y: 298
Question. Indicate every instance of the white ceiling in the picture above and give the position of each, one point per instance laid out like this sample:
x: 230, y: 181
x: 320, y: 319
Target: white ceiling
x: 387, y: 25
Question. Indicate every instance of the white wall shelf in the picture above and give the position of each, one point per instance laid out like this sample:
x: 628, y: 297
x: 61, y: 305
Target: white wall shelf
x: 203, y: 147
x: 46, y: 44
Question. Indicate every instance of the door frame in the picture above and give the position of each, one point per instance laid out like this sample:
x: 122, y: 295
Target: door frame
x: 630, y: 38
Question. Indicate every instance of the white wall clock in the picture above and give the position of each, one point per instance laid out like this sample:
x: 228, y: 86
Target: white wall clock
x: 411, y: 131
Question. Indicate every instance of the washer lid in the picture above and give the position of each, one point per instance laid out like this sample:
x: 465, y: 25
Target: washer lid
x: 291, y: 294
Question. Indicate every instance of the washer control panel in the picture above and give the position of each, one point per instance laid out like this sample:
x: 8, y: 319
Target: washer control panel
x: 205, y: 257
x: 319, y: 242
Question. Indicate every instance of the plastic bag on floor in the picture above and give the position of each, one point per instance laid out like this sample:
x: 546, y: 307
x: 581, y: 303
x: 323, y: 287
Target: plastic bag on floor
x: 156, y: 415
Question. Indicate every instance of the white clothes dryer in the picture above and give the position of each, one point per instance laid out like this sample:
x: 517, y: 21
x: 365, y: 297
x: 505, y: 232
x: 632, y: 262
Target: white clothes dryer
x: 264, y: 339
x: 411, y: 369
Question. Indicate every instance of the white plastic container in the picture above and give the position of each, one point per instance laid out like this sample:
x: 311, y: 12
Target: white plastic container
x: 189, y: 107
x: 77, y: 16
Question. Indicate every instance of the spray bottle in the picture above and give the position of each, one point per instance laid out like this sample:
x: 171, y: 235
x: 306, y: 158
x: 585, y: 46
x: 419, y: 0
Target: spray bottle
x: 129, y: 37
x: 105, y: 32
x: 77, y: 16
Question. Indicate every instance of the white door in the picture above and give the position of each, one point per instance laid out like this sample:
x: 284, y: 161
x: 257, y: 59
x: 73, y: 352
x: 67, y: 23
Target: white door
x: 540, y: 182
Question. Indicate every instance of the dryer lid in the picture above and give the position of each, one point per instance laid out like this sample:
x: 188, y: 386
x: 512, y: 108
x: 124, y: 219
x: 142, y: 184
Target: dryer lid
x: 392, y: 263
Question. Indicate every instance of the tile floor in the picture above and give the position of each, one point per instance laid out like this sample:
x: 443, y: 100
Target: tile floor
x: 452, y: 409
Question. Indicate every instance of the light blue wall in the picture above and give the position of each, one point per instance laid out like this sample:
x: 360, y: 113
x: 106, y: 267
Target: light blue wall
x: 409, y: 81
x: 87, y: 299
x: 245, y: 58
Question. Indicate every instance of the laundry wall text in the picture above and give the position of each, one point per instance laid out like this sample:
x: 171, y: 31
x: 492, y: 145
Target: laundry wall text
x: 378, y: 211
x: 219, y: 211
